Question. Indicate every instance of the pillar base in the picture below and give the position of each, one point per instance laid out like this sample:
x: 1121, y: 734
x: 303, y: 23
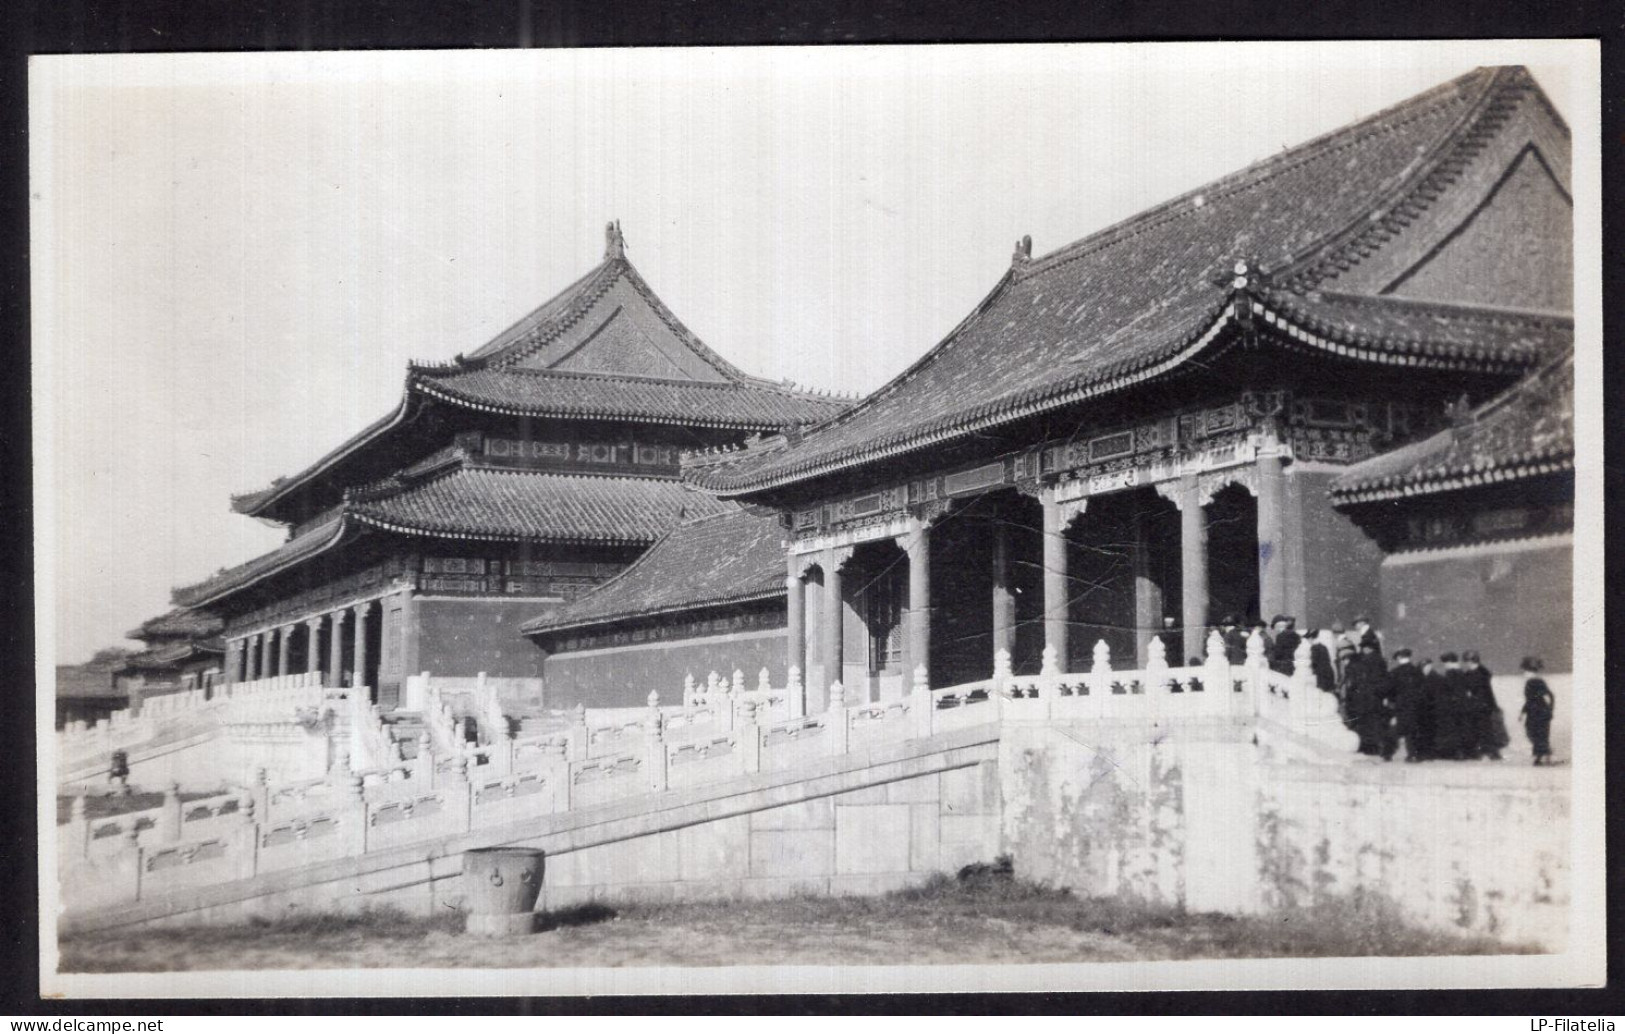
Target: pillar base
x: 513, y: 925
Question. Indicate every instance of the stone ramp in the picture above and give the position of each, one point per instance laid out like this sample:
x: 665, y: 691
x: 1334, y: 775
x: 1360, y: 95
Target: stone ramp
x: 868, y: 820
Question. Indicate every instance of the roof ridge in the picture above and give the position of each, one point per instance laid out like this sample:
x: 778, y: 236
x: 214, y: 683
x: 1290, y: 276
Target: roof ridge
x: 1256, y: 174
x: 548, y: 325
x: 1467, y: 311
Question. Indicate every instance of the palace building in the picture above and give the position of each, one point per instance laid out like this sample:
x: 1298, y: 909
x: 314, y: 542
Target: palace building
x: 708, y: 597
x: 1142, y: 431
x: 505, y: 484
x: 1476, y: 524
x: 183, y: 652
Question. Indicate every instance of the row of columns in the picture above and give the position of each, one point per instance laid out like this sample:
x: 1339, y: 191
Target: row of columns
x: 1193, y: 573
x: 270, y: 653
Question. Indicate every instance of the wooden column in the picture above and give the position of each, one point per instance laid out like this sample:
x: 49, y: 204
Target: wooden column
x: 285, y: 650
x: 358, y: 616
x: 313, y: 645
x: 834, y: 631
x: 795, y: 635
x: 1272, y: 567
x: 229, y: 667
x: 1055, y: 591
x: 335, y: 649
x: 917, y: 544
x: 1192, y: 569
x: 1147, y: 593
x: 1004, y: 600
x: 254, y: 656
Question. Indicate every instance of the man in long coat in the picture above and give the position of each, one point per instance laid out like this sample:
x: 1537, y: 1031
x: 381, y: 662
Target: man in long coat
x: 1367, y: 700
x: 1407, y: 694
x: 1488, y: 726
x: 1453, y: 734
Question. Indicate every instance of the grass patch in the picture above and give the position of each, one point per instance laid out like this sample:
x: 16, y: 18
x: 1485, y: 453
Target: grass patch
x: 983, y: 916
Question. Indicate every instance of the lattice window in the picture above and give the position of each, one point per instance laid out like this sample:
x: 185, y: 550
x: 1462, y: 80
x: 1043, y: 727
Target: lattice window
x: 883, y: 615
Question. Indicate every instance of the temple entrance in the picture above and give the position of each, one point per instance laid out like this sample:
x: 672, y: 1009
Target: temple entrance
x: 1123, y: 577
x: 986, y: 587
x: 1232, y: 555
x: 877, y: 591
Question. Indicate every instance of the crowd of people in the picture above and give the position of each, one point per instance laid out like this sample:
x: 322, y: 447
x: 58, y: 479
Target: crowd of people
x: 1443, y: 711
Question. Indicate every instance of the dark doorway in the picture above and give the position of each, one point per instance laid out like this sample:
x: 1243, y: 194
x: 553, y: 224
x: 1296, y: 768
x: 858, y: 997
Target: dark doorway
x: 1232, y: 554
x: 1123, y: 577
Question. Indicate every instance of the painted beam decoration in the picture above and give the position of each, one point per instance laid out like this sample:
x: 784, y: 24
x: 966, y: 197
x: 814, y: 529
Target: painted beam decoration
x: 512, y: 577
x: 644, y: 457
x: 694, y: 628
x: 1214, y: 437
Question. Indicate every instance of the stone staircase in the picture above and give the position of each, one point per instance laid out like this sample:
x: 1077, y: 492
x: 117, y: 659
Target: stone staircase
x: 405, y: 728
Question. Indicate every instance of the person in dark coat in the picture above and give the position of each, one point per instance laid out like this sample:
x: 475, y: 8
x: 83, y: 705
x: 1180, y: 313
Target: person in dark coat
x: 1538, y: 707
x: 1367, y: 701
x: 1489, y: 727
x: 1407, y: 694
x: 1235, y: 640
x: 1320, y: 662
x: 1284, y: 646
x: 1453, y: 736
x: 1364, y: 633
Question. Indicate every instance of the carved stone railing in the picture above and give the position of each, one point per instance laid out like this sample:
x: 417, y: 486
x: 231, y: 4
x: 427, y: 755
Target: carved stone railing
x: 582, y: 763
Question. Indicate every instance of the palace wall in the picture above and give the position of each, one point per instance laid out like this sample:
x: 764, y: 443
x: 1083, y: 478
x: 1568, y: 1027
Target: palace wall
x: 622, y: 676
x: 1337, y: 565
x: 1471, y: 597
x: 459, y: 637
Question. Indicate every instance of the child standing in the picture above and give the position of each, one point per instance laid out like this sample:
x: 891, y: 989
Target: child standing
x: 1538, y: 707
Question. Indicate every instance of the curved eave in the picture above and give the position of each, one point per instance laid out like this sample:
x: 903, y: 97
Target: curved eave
x: 1417, y: 352
x: 443, y: 394
x: 366, y: 437
x: 1399, y: 353
x: 400, y: 528
x: 340, y: 532
x: 1434, y: 482
x: 537, y: 627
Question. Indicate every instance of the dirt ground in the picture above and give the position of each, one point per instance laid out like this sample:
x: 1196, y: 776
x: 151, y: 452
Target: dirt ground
x: 946, y: 922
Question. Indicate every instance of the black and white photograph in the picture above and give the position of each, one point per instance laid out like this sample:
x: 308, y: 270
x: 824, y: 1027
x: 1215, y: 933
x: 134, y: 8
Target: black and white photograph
x: 1037, y: 517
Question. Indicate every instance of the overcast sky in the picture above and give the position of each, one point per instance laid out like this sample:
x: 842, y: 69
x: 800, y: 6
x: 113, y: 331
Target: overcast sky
x: 236, y: 255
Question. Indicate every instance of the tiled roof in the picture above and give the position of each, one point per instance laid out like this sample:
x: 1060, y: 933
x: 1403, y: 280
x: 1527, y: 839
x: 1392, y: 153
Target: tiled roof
x: 464, y: 500
x: 605, y: 348
x: 1406, y: 326
x: 181, y: 622
x: 583, y: 396
x: 171, y: 655
x: 1525, y: 432
x: 729, y: 557
x: 1144, y: 296
x: 489, y: 504
x: 314, y: 542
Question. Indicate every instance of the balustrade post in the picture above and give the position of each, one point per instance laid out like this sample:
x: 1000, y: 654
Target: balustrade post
x: 688, y: 692
x: 1302, y: 704
x: 425, y: 760
x: 921, y: 706
x: 1257, y: 668
x: 169, y: 820
x: 1216, y: 670
x: 749, y: 736
x: 354, y: 812
x: 1001, y: 670
x: 580, y: 741
x: 248, y: 840
x: 78, y: 839
x: 262, y: 793
x: 794, y: 690
x: 654, y: 745
x: 137, y: 860
x: 1100, y: 671
x: 835, y: 719
x: 1156, y: 664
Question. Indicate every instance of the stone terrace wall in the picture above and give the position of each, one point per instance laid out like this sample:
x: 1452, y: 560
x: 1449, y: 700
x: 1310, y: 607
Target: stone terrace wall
x: 1205, y: 819
x: 865, y: 841
x: 1471, y: 847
